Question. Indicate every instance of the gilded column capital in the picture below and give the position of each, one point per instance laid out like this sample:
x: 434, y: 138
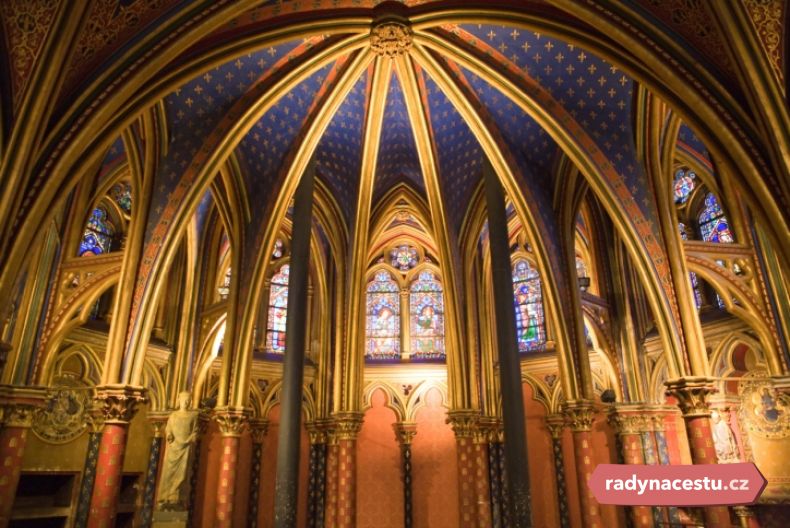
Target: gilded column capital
x: 158, y: 421
x: 347, y: 425
x: 118, y: 403
x: 580, y: 414
x: 18, y: 405
x: 490, y: 429
x: 629, y: 419
x: 258, y: 429
x: 556, y: 423
x: 404, y: 432
x: 232, y: 420
x: 464, y: 422
x: 692, y: 395
x: 319, y: 431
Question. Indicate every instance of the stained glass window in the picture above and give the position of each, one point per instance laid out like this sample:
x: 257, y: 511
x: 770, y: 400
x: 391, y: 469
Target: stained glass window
x: 683, y: 232
x: 278, y: 311
x: 404, y: 257
x: 528, y: 301
x: 383, y: 317
x: 581, y: 269
x: 697, y: 287
x: 713, y: 225
x: 685, y: 180
x: 97, y: 237
x: 279, y: 249
x: 122, y: 194
x: 426, y: 317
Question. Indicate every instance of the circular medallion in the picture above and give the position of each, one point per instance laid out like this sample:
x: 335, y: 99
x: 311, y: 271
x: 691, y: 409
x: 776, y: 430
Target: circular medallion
x: 63, y: 418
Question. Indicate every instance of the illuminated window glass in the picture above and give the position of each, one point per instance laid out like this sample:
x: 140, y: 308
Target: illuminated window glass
x: 713, y: 225
x: 278, y: 311
x: 683, y: 231
x: 122, y: 194
x: 97, y: 237
x: 685, y: 180
x: 383, y: 318
x: 581, y: 269
x: 697, y: 287
x: 279, y: 249
x: 528, y: 301
x: 404, y: 257
x: 426, y: 317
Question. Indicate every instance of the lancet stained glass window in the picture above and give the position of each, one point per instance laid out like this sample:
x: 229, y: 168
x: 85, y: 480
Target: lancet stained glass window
x: 383, y: 317
x: 426, y: 317
x: 278, y: 311
x: 530, y: 327
x: 97, y: 237
x: 122, y: 194
x: 713, y: 225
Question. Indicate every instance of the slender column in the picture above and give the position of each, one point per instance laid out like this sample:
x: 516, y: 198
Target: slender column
x: 118, y: 404
x: 629, y: 422
x: 317, y: 474
x: 204, y: 418
x: 464, y: 425
x: 258, y: 430
x: 231, y: 424
x: 332, y: 455
x: 480, y: 481
x: 657, y: 414
x: 347, y: 426
x: 287, y: 482
x: 509, y: 364
x: 17, y: 407
x: 580, y: 418
x: 692, y: 396
x: 95, y: 426
x: 556, y: 425
x: 495, y: 477
x: 404, y: 433
x: 158, y: 422
x: 405, y: 331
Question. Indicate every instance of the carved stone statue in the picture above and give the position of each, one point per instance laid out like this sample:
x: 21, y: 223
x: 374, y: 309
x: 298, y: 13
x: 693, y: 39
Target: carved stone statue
x: 180, y: 435
x: 723, y: 439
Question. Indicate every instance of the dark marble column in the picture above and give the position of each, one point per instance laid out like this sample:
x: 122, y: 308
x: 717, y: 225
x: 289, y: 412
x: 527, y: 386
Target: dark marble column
x: 630, y: 424
x: 404, y: 433
x: 509, y: 364
x: 317, y: 474
x: 258, y: 429
x: 158, y: 422
x: 556, y: 426
x: 287, y: 481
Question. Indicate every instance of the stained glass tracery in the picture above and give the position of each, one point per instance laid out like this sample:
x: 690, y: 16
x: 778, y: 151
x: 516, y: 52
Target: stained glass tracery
x: 528, y: 300
x: 426, y: 317
x: 685, y: 181
x: 713, y: 225
x: 383, y: 317
x: 98, y: 234
x: 122, y: 194
x: 278, y: 311
x: 404, y: 257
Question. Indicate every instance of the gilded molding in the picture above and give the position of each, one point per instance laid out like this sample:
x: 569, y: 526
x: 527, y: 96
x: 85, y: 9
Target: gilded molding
x: 692, y: 395
x: 118, y: 403
x: 390, y: 39
x: 629, y: 419
x: 405, y: 432
x: 464, y: 423
x: 18, y: 405
x: 347, y: 425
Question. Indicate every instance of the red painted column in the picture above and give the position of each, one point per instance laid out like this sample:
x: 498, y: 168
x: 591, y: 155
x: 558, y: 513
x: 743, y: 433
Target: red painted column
x: 231, y: 424
x: 118, y: 406
x: 464, y: 424
x: 17, y: 406
x: 332, y: 455
x: 692, y: 394
x: 580, y: 418
x: 481, y: 485
x: 347, y: 428
x: 629, y: 421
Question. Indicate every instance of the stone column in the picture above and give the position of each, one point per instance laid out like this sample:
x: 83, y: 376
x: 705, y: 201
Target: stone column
x: 258, y: 429
x: 580, y: 419
x: 231, y: 424
x: 691, y: 394
x: 629, y: 421
x: 118, y: 404
x: 158, y: 422
x: 496, y: 468
x: 204, y: 418
x: 657, y: 415
x: 316, y: 474
x: 464, y: 424
x: 17, y: 409
x: 347, y: 426
x: 404, y: 434
x: 509, y: 362
x: 556, y: 425
x: 332, y: 453
x: 481, y: 485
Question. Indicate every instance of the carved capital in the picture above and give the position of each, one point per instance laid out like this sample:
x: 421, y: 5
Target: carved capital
x: 118, y: 403
x: 692, y: 395
x: 258, y: 429
x: 556, y: 423
x: 347, y: 425
x: 232, y: 420
x: 18, y: 405
x: 464, y: 422
x: 390, y: 38
x: 404, y: 432
x: 579, y: 414
x: 158, y: 421
x: 490, y: 430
